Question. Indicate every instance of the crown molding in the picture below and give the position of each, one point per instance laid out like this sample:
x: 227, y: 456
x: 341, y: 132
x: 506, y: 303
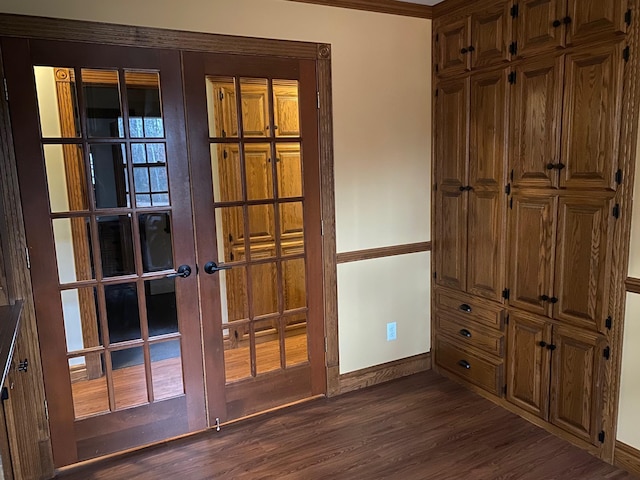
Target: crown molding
x: 393, y: 7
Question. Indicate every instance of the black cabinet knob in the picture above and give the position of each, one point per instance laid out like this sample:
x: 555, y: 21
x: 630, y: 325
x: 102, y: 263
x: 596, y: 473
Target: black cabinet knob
x: 550, y: 166
x: 471, y: 48
x: 553, y: 300
x: 544, y: 298
x: 556, y: 23
x: 566, y: 20
x: 542, y: 344
x: 465, y: 333
x: 551, y: 347
x: 463, y: 50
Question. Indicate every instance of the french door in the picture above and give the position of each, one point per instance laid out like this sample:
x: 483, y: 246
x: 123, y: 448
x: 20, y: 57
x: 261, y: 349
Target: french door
x: 173, y: 290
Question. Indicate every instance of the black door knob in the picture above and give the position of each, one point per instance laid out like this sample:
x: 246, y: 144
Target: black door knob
x: 213, y: 267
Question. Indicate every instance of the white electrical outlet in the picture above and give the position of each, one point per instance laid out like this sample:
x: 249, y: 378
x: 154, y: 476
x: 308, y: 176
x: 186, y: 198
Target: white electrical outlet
x: 391, y: 331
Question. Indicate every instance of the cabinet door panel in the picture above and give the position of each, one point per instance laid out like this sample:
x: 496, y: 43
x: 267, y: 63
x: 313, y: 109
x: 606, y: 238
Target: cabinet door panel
x: 488, y: 129
x: 491, y: 36
x: 594, y: 17
x: 576, y: 387
x: 528, y: 363
x: 535, y: 25
x: 582, y: 260
x: 592, y: 110
x: 535, y: 129
x: 452, y: 43
x: 451, y: 244
x: 486, y: 253
x: 452, y: 151
x: 532, y: 227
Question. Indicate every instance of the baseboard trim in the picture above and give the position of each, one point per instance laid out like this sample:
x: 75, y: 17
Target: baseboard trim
x: 385, y: 372
x: 627, y: 457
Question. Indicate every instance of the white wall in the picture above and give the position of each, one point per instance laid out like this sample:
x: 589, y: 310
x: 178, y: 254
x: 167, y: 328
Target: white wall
x: 381, y: 71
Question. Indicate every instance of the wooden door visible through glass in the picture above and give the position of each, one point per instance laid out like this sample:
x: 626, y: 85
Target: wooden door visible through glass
x: 117, y: 327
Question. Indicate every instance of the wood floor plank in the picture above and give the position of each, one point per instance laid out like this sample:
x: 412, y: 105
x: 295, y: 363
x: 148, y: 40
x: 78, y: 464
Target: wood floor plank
x: 418, y: 427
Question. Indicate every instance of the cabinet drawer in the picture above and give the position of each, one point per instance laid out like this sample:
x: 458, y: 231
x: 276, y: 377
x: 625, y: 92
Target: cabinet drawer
x: 483, y: 372
x: 472, y: 334
x: 468, y: 307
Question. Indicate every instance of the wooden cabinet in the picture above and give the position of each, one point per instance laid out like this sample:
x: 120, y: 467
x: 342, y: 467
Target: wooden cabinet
x: 555, y: 373
x: 474, y: 41
x: 543, y: 25
x: 470, y: 183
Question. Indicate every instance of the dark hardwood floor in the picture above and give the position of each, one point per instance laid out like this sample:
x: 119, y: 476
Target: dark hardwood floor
x: 418, y: 427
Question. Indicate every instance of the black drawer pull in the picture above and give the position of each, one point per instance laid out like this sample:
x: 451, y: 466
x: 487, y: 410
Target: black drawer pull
x: 465, y: 308
x: 464, y: 364
x: 465, y: 333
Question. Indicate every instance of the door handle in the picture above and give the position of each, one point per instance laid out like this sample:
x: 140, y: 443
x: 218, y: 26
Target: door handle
x: 213, y: 267
x: 183, y: 271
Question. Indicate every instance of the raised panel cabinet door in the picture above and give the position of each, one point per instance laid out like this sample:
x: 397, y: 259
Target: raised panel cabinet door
x: 532, y: 230
x: 591, y: 119
x: 451, y: 240
x: 535, y: 130
x: 486, y: 243
x: 539, y: 25
x: 528, y: 363
x: 491, y: 36
x: 595, y: 17
x: 451, y: 132
x: 488, y: 129
x: 452, y: 47
x: 582, y: 268
x: 577, y: 382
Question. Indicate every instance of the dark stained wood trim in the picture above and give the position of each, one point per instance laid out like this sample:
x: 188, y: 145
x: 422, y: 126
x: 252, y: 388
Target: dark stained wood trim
x: 632, y: 285
x: 381, y: 6
x: 622, y: 234
x: 111, y: 34
x: 450, y: 6
x: 627, y: 457
x: 385, y: 372
x: 381, y: 252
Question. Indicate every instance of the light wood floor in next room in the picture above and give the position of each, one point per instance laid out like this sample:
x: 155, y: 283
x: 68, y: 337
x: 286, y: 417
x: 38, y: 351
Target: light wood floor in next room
x: 418, y: 427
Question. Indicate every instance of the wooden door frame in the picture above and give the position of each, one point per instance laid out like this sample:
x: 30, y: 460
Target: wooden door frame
x: 30, y: 27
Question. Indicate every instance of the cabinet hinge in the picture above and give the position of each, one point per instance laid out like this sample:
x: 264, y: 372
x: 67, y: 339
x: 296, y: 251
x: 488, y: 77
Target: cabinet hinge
x: 616, y: 210
x: 627, y: 17
x: 607, y: 353
x: 220, y: 95
x: 437, y: 68
x: 507, y: 189
x: 601, y: 436
x: 513, y: 48
x: 318, y: 98
x: 626, y: 53
x: 26, y: 250
x: 225, y: 154
x: 619, y: 176
x: 6, y: 90
x: 608, y: 323
x: 512, y: 78
x: 435, y: 274
x: 435, y: 187
x: 514, y: 14
x: 436, y: 92
x: 505, y: 389
x: 511, y: 203
x: 505, y: 294
x: 506, y: 320
x: 511, y: 175
x: 46, y: 409
x: 437, y: 37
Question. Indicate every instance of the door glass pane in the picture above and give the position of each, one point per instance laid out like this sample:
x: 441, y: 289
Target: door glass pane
x: 66, y: 178
x: 123, y: 317
x: 81, y: 327
x: 226, y: 171
x: 262, y: 231
x: 230, y: 232
x: 166, y: 369
x: 57, y: 102
x: 162, y: 314
x: 294, y: 291
x: 145, y: 108
x: 109, y: 175
x: 72, y: 238
x: 89, y: 390
x: 255, y: 107
x: 285, y: 108
x: 259, y: 171
x: 116, y: 245
x: 237, y: 351
x: 267, y: 346
x: 102, y: 103
x: 296, y: 340
x: 129, y: 377
x: 289, y: 170
x: 221, y: 107
x: 263, y: 289
x: 155, y: 241
x: 150, y: 180
x: 233, y: 294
